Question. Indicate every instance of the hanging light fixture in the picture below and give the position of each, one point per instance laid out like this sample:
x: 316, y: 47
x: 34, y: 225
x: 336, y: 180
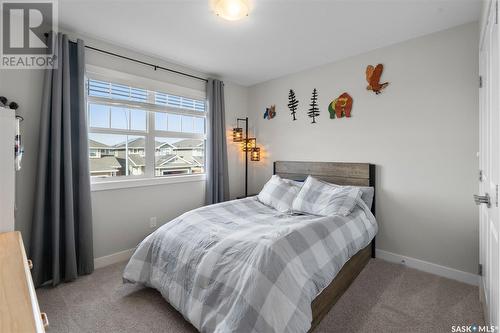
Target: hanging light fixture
x: 255, y: 154
x: 247, y: 145
x: 232, y: 10
x: 237, y: 134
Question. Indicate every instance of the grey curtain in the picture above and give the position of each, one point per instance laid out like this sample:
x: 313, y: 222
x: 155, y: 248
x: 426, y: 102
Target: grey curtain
x: 217, y: 189
x: 61, y: 240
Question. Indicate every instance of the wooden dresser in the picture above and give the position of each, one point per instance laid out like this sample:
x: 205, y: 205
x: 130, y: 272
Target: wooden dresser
x: 19, y: 311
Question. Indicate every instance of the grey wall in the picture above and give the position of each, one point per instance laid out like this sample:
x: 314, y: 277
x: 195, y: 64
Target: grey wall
x: 121, y: 217
x: 421, y: 132
x: 25, y: 87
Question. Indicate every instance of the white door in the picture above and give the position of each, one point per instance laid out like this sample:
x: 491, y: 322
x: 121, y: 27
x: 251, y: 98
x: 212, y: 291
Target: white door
x: 489, y: 153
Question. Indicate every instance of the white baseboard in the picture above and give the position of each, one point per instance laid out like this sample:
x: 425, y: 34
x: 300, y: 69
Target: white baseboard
x: 429, y: 267
x: 113, y: 258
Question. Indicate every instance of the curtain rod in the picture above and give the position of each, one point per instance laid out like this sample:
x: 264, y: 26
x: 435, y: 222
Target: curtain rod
x: 155, y: 67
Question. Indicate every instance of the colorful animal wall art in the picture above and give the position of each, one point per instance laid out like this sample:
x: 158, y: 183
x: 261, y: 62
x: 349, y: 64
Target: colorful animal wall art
x: 373, y: 75
x: 270, y: 112
x: 314, y: 109
x: 341, y: 106
x: 293, y: 103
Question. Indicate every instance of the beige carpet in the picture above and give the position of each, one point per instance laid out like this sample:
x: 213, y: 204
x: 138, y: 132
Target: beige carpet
x: 384, y: 298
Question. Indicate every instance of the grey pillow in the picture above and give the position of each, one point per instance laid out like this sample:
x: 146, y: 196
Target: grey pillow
x: 321, y: 198
x: 367, y: 193
x: 278, y: 193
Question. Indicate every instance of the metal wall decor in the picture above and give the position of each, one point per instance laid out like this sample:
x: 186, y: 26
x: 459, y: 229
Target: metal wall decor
x: 293, y: 103
x: 314, y: 109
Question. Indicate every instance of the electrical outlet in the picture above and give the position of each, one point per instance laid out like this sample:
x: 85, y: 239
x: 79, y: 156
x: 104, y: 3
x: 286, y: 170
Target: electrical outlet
x: 153, y: 222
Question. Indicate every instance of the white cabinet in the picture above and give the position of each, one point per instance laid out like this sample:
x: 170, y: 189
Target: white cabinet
x: 7, y: 169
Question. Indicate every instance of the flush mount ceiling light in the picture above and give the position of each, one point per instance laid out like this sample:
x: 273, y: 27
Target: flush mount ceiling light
x: 231, y: 10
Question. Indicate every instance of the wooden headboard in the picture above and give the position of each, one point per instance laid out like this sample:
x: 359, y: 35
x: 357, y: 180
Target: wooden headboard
x: 357, y: 174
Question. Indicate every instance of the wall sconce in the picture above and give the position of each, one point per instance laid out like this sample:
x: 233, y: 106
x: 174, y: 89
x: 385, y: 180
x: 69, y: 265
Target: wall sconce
x: 249, y: 144
x: 237, y: 134
x: 255, y: 154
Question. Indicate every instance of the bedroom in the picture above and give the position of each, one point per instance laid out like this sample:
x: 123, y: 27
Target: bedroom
x: 142, y: 121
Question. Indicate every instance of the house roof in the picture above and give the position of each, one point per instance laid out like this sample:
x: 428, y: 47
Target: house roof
x: 136, y: 160
x: 134, y: 143
x: 188, y: 143
x: 161, y: 160
x: 105, y: 163
x: 198, y: 160
x: 140, y: 143
x: 173, y: 161
x: 96, y: 144
x: 162, y: 144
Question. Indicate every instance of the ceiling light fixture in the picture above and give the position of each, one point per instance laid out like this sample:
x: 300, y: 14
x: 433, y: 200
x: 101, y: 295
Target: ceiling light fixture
x: 232, y: 10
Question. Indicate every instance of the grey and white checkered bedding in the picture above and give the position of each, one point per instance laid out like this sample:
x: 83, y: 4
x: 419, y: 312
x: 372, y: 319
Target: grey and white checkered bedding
x: 241, y: 266
x: 321, y: 198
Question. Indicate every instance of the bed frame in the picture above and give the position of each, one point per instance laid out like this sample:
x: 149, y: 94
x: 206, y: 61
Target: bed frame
x: 359, y: 174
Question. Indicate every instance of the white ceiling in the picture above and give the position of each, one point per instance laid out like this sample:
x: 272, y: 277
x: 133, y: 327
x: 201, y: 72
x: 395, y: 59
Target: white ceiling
x: 278, y: 38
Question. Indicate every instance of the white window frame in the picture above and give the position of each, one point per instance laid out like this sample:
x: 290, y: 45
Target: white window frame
x: 150, y: 134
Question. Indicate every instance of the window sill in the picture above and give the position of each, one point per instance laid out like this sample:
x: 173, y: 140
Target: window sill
x: 130, y: 183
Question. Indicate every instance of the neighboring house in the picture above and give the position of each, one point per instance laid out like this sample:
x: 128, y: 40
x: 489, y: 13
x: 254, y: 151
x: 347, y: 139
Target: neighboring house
x: 98, y: 149
x: 103, y: 162
x: 174, y: 164
x: 163, y: 149
x: 192, y: 151
x: 106, y: 166
x: 181, y: 157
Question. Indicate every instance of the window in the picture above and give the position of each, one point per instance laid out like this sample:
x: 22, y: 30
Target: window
x: 143, y: 133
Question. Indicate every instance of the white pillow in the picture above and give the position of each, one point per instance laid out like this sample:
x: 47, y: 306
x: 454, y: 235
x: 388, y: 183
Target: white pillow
x: 279, y: 193
x: 320, y: 198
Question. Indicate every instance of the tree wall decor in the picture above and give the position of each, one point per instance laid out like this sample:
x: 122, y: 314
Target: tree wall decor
x: 314, y: 109
x: 293, y: 103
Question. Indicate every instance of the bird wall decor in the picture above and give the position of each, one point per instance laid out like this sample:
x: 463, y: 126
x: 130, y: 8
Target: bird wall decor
x: 270, y: 112
x: 373, y: 75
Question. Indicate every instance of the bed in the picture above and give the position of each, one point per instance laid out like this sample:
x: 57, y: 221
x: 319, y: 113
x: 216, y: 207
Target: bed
x: 243, y: 266
x: 358, y: 174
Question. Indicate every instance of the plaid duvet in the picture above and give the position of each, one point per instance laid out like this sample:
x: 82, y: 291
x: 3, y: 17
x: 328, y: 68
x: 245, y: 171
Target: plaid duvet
x: 241, y: 266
